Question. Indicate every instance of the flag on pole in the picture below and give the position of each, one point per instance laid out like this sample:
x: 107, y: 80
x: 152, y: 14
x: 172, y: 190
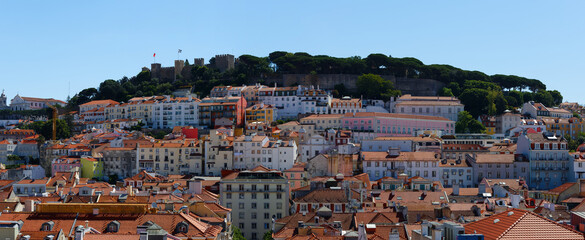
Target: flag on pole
x: 180, y: 51
x: 154, y: 55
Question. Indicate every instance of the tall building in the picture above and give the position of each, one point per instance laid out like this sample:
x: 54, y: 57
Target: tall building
x: 252, y: 150
x: 549, y: 159
x: 257, y: 197
x: 170, y: 112
x: 216, y: 112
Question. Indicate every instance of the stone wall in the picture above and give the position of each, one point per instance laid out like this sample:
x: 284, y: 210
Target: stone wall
x: 416, y: 87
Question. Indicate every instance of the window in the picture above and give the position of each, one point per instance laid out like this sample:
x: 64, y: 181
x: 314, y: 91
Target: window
x: 253, y: 195
x: 113, y: 226
x: 266, y: 196
x: 266, y: 215
x: 241, y: 196
x: 241, y: 205
x: 253, y: 226
x: 253, y: 215
x: 253, y: 206
x: 266, y: 188
x: 48, y: 226
x: 241, y: 215
x: 266, y: 205
x: 278, y: 205
x: 228, y: 195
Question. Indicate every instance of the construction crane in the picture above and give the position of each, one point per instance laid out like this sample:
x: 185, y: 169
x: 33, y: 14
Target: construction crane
x: 54, y: 110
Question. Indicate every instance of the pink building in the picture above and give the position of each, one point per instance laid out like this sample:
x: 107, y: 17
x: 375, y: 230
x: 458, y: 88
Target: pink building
x: 394, y: 124
x: 65, y: 164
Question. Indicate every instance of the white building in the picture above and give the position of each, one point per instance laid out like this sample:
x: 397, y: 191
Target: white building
x: 253, y: 150
x: 456, y: 172
x: 219, y: 153
x: 291, y: 101
x: 171, y: 112
x: 19, y: 103
x: 314, y: 146
x: 507, y: 121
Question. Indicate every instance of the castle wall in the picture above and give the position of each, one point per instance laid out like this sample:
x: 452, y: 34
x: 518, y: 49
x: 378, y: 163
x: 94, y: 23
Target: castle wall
x: 416, y: 87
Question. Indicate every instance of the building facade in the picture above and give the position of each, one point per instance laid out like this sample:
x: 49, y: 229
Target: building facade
x: 256, y: 197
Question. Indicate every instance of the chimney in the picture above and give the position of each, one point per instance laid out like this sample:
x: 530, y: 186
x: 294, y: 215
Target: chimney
x: 129, y: 190
x: 195, y: 186
x: 79, y: 233
x: 424, y: 228
x: 316, y: 219
x: 437, y: 234
x: 301, y: 224
x: 394, y: 236
x: 362, y: 232
x: 143, y: 235
x: 29, y: 206
x: 456, y: 189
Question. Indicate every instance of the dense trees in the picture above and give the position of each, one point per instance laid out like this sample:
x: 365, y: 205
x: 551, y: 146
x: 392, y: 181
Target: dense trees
x: 375, y: 87
x: 467, y: 124
x: 484, y: 93
x: 45, y: 128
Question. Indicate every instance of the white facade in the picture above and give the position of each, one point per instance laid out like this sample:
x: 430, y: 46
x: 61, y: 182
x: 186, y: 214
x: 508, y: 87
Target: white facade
x: 314, y: 146
x: 291, y: 101
x: 251, y: 151
x: 172, y: 112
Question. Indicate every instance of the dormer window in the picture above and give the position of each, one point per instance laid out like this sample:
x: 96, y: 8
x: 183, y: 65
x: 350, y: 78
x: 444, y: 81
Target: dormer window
x: 113, y: 226
x: 182, y: 227
x: 48, y: 226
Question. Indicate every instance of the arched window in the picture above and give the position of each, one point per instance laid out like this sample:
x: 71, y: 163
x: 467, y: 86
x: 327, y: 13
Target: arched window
x: 182, y: 227
x: 48, y: 226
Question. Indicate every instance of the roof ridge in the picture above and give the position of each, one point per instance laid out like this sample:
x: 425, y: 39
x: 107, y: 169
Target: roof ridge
x: 513, y: 224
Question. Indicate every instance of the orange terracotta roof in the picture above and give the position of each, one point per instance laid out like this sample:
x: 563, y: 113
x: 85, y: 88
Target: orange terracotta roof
x: 101, y: 102
x: 520, y: 224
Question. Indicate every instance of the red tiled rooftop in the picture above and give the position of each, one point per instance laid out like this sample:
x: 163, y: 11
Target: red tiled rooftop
x: 520, y: 224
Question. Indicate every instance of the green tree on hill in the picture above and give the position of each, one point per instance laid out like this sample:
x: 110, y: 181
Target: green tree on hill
x: 467, y: 124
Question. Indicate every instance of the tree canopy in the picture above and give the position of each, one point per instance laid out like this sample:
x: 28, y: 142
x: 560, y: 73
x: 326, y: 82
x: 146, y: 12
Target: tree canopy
x: 467, y: 124
x: 496, y: 92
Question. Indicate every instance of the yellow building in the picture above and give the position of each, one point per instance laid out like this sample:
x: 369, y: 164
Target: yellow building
x: 91, y: 168
x: 563, y: 126
x: 260, y: 113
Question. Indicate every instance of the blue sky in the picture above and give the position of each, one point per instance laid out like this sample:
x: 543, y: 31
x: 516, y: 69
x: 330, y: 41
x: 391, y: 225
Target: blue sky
x: 45, y: 45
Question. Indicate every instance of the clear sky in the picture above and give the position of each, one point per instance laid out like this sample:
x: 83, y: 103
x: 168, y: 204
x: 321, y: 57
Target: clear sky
x: 47, y: 45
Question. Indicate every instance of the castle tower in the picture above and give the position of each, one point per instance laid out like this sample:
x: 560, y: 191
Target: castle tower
x: 155, y: 70
x: 224, y: 62
x: 179, y: 64
x: 199, y: 62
